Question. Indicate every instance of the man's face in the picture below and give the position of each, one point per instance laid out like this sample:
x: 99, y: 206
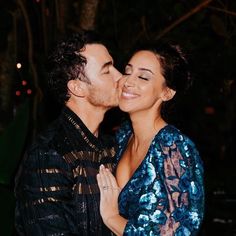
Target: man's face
x: 103, y: 76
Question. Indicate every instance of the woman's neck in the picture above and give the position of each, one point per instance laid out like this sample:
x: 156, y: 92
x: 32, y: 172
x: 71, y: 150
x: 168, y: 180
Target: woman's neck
x: 145, y: 127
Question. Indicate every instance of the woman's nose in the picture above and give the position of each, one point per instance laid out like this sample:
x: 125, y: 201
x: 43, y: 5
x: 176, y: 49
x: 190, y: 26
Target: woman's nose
x: 129, y: 81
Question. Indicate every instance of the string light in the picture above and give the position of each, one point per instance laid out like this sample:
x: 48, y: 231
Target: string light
x: 209, y: 110
x: 24, y: 82
x: 18, y: 93
x: 18, y: 65
x: 29, y: 91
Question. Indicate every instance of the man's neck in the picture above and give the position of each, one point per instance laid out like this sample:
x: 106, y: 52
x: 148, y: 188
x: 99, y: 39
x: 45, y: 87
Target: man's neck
x: 91, y: 117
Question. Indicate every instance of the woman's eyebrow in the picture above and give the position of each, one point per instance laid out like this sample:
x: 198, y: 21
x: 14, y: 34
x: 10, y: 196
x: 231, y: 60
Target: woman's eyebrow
x: 140, y: 68
x: 145, y: 69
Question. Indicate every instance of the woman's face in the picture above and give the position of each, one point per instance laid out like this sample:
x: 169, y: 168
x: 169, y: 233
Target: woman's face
x: 142, y: 84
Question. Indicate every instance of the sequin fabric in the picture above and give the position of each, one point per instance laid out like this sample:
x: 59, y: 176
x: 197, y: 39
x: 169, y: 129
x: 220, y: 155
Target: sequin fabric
x: 165, y: 195
x: 56, y: 188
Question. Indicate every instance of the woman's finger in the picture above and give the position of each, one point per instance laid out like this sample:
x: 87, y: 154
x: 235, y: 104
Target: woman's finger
x: 104, y: 179
x: 112, y: 179
x: 99, y: 182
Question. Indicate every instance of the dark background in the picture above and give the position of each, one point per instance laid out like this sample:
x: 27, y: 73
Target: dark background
x: 206, y: 30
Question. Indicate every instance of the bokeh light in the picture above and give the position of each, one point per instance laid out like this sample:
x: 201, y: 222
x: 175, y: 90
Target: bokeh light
x: 18, y: 65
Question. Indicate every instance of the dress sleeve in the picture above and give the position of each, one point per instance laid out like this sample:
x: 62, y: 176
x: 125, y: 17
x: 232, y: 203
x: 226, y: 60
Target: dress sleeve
x: 172, y: 202
x: 44, y: 196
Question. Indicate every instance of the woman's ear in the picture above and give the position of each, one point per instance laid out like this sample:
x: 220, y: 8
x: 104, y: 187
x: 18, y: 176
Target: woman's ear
x: 76, y: 87
x: 167, y: 94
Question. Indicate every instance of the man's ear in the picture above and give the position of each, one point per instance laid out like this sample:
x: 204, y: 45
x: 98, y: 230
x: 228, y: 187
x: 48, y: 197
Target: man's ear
x: 76, y: 87
x: 167, y: 94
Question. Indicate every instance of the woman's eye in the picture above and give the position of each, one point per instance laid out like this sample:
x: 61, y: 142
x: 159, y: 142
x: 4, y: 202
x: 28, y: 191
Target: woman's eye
x: 140, y: 77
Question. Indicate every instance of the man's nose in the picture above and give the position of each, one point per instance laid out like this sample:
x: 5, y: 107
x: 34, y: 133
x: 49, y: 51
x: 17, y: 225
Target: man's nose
x: 118, y: 75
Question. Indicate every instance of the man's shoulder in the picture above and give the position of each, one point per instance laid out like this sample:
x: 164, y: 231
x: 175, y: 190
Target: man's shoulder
x: 44, y: 152
x: 46, y: 139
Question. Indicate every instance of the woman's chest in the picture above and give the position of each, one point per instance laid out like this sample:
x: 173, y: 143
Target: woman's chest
x: 130, y: 163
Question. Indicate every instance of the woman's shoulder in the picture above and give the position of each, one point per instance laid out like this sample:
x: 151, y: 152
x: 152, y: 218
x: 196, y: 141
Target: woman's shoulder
x: 170, y: 142
x: 170, y: 135
x: 124, y: 131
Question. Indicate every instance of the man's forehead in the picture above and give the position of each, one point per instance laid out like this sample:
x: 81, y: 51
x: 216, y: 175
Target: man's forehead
x: 96, y: 54
x: 94, y: 50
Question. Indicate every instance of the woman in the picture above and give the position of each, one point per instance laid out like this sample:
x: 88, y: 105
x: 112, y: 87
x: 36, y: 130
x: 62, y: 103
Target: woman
x: 159, y: 174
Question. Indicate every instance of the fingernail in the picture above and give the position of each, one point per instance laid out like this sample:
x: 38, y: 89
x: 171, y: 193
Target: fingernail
x: 102, y: 166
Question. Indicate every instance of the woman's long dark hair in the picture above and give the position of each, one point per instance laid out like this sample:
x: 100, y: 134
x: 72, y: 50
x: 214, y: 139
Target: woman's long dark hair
x: 175, y: 70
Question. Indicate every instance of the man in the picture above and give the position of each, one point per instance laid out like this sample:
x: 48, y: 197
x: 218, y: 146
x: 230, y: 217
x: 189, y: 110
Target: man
x: 56, y: 187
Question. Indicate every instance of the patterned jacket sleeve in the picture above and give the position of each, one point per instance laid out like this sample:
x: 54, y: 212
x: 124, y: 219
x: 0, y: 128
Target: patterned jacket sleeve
x: 183, y: 176
x: 173, y: 200
x: 44, y: 196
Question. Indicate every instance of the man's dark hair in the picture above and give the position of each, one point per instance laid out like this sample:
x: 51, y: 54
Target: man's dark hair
x: 66, y: 63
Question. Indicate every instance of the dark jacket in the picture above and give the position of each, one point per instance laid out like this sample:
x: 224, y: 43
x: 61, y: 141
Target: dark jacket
x: 56, y: 189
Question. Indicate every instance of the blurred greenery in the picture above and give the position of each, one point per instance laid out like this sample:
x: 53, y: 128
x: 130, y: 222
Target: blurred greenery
x: 12, y: 142
x: 7, y: 205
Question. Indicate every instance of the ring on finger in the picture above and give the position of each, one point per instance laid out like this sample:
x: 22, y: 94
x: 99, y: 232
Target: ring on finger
x: 118, y: 189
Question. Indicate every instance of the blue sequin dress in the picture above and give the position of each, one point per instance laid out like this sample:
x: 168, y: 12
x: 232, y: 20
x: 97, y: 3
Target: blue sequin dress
x: 165, y: 195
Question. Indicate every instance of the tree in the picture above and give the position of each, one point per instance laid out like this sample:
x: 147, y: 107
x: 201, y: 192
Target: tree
x: 88, y: 14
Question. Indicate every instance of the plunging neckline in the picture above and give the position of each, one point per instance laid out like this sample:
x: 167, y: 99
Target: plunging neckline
x: 146, y: 155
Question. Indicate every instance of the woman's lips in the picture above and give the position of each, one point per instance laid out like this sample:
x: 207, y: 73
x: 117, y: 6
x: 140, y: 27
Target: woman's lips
x: 127, y: 94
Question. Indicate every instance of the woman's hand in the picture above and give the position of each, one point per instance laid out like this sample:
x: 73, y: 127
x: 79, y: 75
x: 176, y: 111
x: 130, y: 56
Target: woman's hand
x: 109, y: 194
